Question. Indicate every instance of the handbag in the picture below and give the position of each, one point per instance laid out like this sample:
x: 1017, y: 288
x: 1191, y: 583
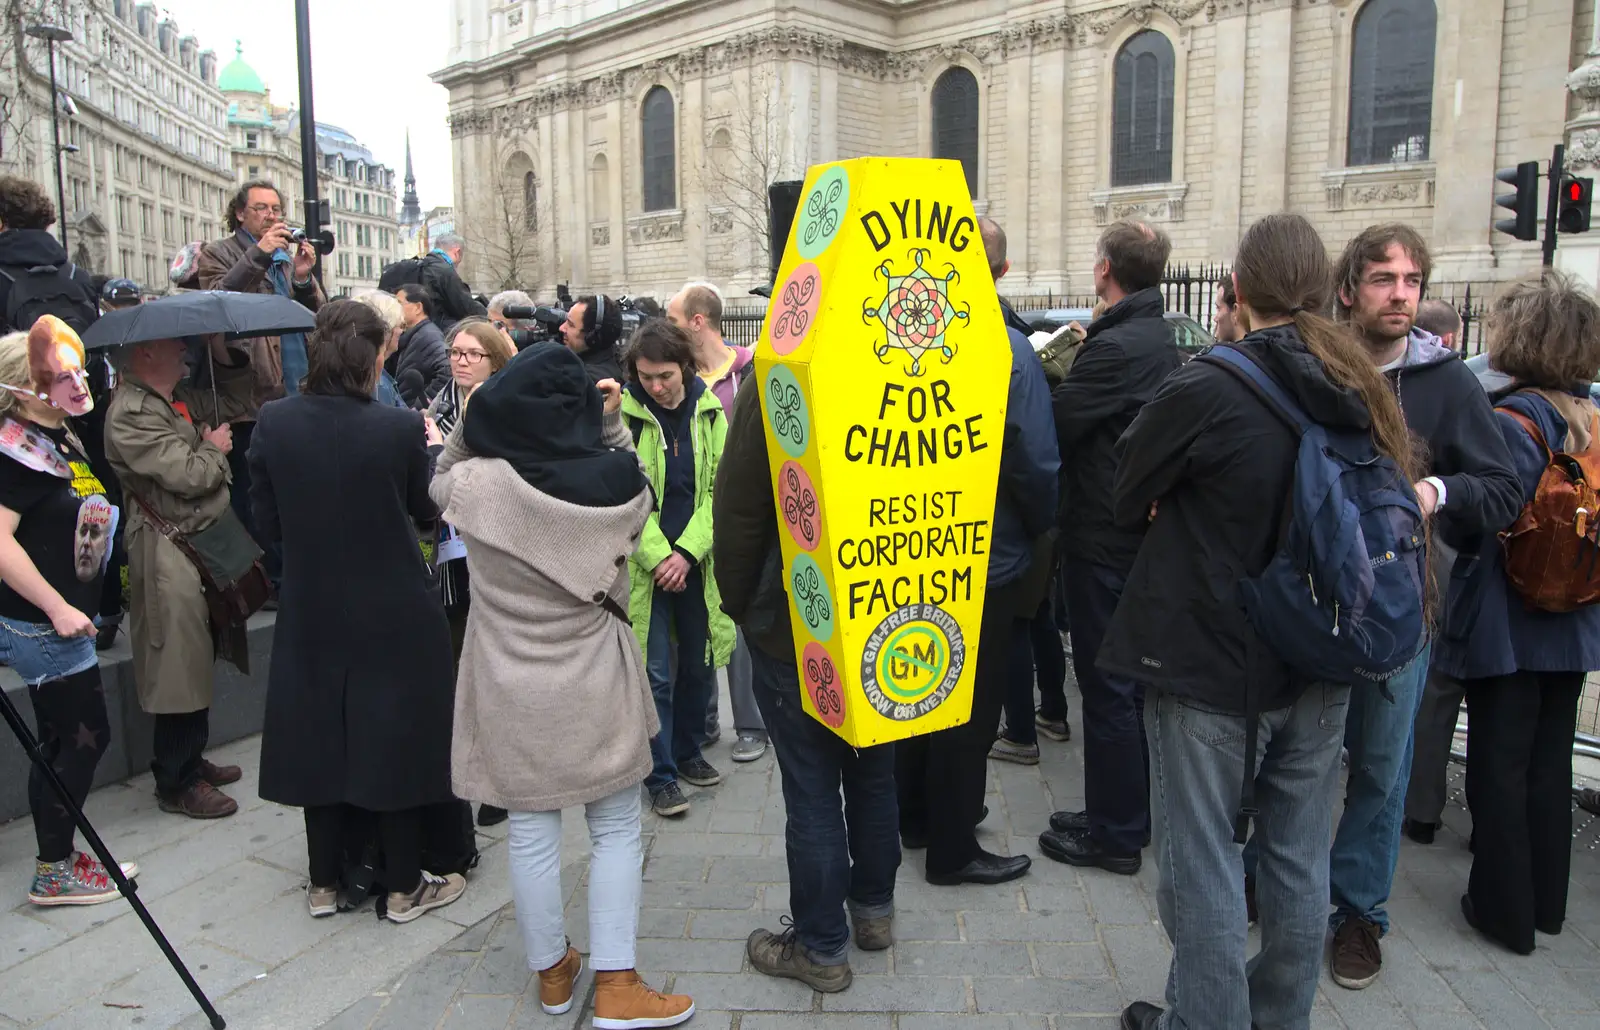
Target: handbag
x: 232, y: 577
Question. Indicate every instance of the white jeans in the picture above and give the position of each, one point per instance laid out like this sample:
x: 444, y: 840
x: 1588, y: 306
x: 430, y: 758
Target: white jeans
x: 615, y: 882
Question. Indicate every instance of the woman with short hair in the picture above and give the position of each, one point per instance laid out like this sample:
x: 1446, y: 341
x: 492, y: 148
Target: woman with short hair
x: 1523, y: 668
x: 360, y: 693
x: 393, y: 316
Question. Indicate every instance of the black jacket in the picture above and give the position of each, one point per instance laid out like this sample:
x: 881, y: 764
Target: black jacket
x: 601, y: 363
x: 452, y: 301
x: 25, y: 248
x: 1446, y: 408
x: 1220, y: 464
x: 422, y: 348
x: 1127, y: 355
x: 747, y: 561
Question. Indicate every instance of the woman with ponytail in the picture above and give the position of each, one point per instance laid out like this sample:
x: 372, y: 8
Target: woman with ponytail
x: 1212, y: 466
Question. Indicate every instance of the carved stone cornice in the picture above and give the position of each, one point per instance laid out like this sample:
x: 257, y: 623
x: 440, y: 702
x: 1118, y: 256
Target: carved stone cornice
x: 1393, y: 185
x: 1157, y: 202
x: 656, y: 227
x: 469, y: 123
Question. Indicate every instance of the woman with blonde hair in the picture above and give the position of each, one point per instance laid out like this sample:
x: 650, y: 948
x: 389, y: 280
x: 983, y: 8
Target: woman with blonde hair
x: 388, y: 309
x: 1523, y: 667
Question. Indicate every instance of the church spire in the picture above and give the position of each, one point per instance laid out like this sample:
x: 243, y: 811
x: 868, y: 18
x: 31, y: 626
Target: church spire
x: 410, y: 207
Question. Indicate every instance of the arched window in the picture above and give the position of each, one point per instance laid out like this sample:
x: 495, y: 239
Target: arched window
x: 600, y: 188
x: 657, y: 132
x: 1391, y: 82
x: 530, y: 202
x: 1141, y: 110
x: 955, y: 122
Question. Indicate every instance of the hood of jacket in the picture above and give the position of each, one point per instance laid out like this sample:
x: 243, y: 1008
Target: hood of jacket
x: 636, y: 400
x: 30, y: 247
x: 1281, y: 351
x: 1423, y: 351
x: 1148, y: 303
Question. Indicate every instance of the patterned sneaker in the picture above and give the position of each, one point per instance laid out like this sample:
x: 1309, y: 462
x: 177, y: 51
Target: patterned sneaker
x: 1055, y: 729
x: 1010, y: 751
x: 71, y: 881
x: 433, y: 892
x: 129, y: 869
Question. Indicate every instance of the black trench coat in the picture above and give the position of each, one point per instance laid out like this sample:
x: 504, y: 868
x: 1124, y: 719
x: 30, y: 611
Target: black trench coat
x: 361, y: 692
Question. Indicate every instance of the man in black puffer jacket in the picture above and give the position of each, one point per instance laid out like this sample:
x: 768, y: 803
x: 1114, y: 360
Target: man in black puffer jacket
x: 1125, y: 358
x: 422, y: 348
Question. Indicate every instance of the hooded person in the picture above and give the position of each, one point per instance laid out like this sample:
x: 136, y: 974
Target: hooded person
x: 539, y: 479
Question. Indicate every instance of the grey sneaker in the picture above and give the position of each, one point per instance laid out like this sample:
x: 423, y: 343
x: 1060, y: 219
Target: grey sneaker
x: 699, y: 772
x: 1010, y: 751
x: 668, y: 801
x: 322, y: 901
x: 873, y: 933
x: 433, y: 892
x: 1055, y: 729
x: 749, y: 747
x: 779, y: 954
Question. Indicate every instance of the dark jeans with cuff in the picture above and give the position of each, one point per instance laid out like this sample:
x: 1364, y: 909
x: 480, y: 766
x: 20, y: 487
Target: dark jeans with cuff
x: 1042, y: 659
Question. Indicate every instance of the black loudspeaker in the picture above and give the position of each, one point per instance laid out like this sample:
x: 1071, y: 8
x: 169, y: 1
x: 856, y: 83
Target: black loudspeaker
x: 783, y: 198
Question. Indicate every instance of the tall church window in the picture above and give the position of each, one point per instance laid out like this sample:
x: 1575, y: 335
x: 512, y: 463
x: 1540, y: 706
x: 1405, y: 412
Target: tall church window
x: 1141, y: 110
x: 660, y: 156
x: 955, y: 122
x: 1391, y: 82
x: 530, y: 202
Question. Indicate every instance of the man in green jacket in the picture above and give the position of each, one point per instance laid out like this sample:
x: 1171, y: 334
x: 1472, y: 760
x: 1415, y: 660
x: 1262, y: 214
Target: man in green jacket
x: 678, y: 429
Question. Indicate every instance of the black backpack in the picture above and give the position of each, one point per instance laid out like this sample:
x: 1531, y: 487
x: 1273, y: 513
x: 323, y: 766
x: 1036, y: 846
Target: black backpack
x: 408, y: 270
x: 47, y: 290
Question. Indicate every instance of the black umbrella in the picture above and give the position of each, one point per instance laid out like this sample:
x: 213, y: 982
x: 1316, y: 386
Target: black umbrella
x: 239, y: 315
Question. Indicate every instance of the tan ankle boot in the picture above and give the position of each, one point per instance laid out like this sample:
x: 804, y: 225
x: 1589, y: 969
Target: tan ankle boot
x: 622, y: 1001
x: 555, y: 983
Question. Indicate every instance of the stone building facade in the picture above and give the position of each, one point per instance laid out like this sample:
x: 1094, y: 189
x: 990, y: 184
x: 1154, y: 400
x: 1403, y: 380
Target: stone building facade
x: 598, y: 135
x: 145, y: 146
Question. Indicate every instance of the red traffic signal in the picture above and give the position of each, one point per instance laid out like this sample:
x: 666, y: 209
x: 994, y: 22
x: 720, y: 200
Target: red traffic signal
x: 1572, y: 214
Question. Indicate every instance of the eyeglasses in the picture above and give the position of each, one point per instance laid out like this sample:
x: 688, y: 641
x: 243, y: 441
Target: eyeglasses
x: 471, y: 357
x: 500, y: 325
x: 264, y: 209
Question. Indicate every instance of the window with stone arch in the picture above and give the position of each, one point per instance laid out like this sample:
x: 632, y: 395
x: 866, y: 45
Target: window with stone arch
x: 530, y: 202
x: 955, y: 121
x: 600, y: 188
x: 1391, y: 82
x: 659, y: 150
x: 1141, y: 110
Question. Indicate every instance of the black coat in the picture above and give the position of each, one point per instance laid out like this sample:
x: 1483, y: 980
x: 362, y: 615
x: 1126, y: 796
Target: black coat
x: 361, y: 693
x: 602, y: 363
x: 452, y: 301
x: 1220, y: 464
x: 1125, y: 358
x: 422, y: 348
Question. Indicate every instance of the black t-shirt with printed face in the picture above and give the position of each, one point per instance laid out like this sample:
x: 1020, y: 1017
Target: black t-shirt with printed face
x: 66, y: 522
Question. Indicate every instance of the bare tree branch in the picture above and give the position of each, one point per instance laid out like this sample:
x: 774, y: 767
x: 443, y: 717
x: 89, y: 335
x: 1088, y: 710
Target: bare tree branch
x: 505, y: 240
x: 746, y: 153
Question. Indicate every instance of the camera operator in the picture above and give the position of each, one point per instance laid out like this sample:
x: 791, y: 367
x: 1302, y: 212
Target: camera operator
x: 592, y: 330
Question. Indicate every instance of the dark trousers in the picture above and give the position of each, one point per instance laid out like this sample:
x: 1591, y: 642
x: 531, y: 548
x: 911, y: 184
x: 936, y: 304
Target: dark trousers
x: 1519, y: 786
x: 400, y: 833
x: 1432, y: 737
x: 838, y: 854
x: 683, y: 688
x: 1116, y: 756
x: 1041, y: 658
x: 941, y: 775
x: 239, y: 499
x: 180, y: 742
x: 73, y: 733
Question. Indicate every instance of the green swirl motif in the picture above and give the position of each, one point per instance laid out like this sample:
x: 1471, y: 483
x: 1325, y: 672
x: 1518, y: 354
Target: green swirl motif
x: 811, y: 599
x: 823, y: 214
x: 786, y: 411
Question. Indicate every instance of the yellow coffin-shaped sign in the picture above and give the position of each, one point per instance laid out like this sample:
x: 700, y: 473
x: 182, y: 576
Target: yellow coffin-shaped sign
x: 883, y: 369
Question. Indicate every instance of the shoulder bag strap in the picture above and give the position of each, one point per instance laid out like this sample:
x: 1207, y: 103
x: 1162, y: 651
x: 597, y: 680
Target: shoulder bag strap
x: 616, y: 609
x: 1533, y: 430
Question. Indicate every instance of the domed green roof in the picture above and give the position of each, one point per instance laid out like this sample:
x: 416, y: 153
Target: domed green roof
x: 239, y: 77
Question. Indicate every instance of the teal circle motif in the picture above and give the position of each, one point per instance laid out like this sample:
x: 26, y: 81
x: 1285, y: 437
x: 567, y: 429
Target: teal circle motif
x: 823, y: 214
x: 811, y: 598
x: 786, y: 411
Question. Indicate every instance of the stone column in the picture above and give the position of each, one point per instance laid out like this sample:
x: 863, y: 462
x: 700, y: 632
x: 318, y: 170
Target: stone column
x: 828, y: 105
x: 1580, y: 255
x: 1466, y: 108
x: 1274, y: 78
x: 691, y: 193
x: 797, y: 79
x: 1227, y: 134
x: 571, y: 189
x: 1051, y: 119
x: 1019, y: 181
x: 616, y: 154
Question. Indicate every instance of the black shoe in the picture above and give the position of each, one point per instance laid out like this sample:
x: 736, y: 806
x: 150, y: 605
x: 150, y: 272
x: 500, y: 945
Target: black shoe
x: 1471, y: 913
x: 1083, y: 850
x: 1069, y: 822
x: 106, y: 637
x: 699, y: 772
x: 1420, y: 831
x: 488, y: 815
x: 912, y: 840
x: 986, y: 868
x: 1141, y: 1015
x: 669, y: 801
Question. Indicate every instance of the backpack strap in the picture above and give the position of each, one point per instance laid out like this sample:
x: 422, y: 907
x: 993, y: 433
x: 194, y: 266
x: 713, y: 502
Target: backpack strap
x: 1262, y: 384
x: 1533, y: 430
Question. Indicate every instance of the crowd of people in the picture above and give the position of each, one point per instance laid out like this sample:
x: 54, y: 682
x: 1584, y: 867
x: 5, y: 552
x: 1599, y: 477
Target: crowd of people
x: 478, y: 541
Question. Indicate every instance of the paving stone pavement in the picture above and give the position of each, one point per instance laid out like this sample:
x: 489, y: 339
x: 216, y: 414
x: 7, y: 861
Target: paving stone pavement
x: 1061, y: 949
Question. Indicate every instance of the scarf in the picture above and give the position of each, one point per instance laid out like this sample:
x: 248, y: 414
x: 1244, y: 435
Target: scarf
x: 291, y: 346
x: 541, y: 415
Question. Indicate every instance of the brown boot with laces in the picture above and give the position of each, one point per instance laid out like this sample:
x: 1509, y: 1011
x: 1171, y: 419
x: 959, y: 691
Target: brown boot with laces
x: 200, y: 800
x: 622, y: 1001
x: 555, y: 983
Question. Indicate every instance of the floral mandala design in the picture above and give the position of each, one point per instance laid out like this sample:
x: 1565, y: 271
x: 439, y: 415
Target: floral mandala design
x: 916, y: 312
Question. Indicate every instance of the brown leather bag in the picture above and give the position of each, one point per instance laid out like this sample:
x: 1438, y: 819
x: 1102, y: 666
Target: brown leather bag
x: 1553, y: 549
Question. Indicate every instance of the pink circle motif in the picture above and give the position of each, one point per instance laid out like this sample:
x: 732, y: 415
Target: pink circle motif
x: 822, y: 684
x: 797, y: 500
x: 795, y: 308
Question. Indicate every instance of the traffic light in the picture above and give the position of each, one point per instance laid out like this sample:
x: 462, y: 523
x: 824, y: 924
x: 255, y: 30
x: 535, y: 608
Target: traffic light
x: 1524, y: 178
x: 1573, y: 212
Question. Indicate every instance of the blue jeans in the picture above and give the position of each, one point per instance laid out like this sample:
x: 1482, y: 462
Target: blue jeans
x: 1196, y: 766
x: 1367, y: 844
x: 681, y: 698
x: 838, y: 855
x: 39, y: 654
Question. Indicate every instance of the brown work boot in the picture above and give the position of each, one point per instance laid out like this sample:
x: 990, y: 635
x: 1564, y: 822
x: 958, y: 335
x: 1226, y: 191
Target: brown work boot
x: 873, y: 933
x: 780, y: 954
x: 622, y: 1001
x: 1357, y: 958
x: 219, y: 775
x: 200, y: 800
x: 555, y: 983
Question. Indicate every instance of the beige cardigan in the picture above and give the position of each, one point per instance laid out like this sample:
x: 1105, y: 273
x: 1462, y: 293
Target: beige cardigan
x: 553, y: 707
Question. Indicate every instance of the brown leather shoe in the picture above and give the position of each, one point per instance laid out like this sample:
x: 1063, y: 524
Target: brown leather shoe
x: 219, y: 775
x: 200, y: 801
x: 622, y: 1001
x: 555, y: 983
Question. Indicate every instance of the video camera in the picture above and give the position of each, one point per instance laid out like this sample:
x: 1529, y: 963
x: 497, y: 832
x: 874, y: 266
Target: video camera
x: 549, y: 323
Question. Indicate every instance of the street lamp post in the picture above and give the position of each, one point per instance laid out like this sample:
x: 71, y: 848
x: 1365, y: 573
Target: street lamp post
x: 53, y: 34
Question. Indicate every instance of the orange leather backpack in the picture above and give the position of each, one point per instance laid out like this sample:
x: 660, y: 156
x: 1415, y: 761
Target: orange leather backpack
x: 1553, y: 549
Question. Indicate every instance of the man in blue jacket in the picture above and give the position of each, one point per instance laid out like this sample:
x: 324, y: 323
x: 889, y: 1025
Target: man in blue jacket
x: 940, y: 777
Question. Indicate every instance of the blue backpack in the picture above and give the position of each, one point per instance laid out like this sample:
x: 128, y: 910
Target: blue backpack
x: 1342, y: 599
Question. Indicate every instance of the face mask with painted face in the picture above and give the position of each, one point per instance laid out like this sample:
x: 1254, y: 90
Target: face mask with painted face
x: 56, y: 358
